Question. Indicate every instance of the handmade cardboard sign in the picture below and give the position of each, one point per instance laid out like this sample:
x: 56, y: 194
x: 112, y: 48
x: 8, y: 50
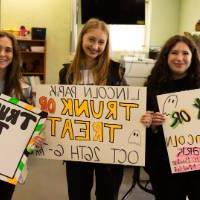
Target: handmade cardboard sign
x: 19, y: 122
x: 182, y: 129
x: 98, y: 124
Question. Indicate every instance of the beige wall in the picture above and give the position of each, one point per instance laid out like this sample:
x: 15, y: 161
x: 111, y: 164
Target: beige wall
x: 55, y: 15
x: 168, y: 18
x: 190, y: 14
x: 164, y: 20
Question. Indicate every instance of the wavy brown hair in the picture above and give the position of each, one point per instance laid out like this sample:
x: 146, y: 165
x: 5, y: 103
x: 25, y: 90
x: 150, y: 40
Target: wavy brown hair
x: 161, y: 73
x: 101, y: 70
x: 13, y: 73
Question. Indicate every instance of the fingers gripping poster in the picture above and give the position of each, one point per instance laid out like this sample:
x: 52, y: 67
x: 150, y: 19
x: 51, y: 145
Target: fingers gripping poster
x: 19, y: 122
x: 93, y: 123
x: 182, y: 129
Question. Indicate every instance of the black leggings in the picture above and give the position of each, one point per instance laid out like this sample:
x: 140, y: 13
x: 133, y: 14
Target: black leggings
x: 80, y: 180
x: 176, y: 186
x: 6, y: 190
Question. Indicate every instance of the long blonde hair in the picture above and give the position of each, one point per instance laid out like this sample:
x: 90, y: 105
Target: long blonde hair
x: 100, y: 72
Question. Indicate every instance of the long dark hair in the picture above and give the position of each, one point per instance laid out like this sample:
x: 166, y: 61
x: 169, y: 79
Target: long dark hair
x: 161, y: 73
x: 13, y: 73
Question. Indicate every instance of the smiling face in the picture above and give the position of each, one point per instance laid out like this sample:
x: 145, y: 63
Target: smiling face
x: 179, y: 60
x: 6, y: 52
x: 94, y: 43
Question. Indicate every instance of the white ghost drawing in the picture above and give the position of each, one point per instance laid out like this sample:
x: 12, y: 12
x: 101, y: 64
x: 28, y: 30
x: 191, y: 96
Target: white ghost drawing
x: 170, y: 105
x: 135, y: 137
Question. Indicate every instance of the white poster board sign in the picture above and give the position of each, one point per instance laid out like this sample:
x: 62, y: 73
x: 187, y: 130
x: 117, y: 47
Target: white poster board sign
x: 93, y: 123
x: 18, y: 123
x: 182, y: 129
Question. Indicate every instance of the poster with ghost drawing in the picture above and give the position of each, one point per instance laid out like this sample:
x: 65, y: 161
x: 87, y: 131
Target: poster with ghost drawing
x: 182, y: 129
x: 99, y: 124
x: 19, y: 122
